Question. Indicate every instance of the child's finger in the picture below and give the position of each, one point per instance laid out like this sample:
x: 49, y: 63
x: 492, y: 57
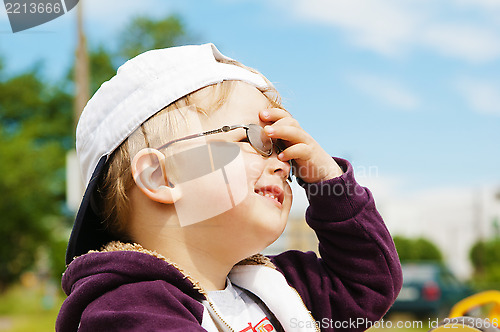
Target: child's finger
x: 300, y: 151
x: 286, y: 121
x: 290, y: 134
x: 273, y: 114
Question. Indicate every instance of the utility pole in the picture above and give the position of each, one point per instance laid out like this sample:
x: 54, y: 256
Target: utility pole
x: 74, y: 184
x: 81, y: 67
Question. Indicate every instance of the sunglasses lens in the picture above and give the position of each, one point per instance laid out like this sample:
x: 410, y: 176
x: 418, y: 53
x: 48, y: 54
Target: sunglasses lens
x: 280, y: 146
x: 259, y: 140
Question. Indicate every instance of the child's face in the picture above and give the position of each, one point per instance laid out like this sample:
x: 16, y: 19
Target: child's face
x: 257, y: 219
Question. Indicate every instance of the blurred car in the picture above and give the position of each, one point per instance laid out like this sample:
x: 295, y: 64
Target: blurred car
x: 429, y: 290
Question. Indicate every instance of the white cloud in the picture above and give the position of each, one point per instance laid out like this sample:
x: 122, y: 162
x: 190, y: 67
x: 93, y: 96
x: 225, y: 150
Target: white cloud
x: 469, y: 42
x: 481, y: 95
x: 370, y: 24
x: 392, y: 27
x: 481, y: 4
x: 387, y: 91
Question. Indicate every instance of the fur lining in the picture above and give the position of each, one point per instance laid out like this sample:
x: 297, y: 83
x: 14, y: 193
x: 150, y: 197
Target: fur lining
x: 257, y: 259
x: 121, y: 246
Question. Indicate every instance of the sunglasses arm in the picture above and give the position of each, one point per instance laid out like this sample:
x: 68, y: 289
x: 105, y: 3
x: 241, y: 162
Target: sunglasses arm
x: 166, y: 145
x: 215, y: 131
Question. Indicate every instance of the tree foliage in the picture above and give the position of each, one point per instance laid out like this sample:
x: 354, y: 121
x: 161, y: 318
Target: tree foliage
x: 143, y: 34
x: 418, y: 249
x: 36, y: 131
x: 485, y: 258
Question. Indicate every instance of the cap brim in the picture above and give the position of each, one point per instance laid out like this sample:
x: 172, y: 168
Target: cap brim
x: 89, y: 231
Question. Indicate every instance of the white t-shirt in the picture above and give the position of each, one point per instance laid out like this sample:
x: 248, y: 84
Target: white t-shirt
x: 243, y: 311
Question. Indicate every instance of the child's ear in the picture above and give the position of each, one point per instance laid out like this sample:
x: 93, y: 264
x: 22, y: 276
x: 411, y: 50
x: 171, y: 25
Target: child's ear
x: 148, y: 171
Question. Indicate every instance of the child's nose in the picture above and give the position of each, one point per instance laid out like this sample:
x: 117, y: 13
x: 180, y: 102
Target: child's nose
x: 276, y: 166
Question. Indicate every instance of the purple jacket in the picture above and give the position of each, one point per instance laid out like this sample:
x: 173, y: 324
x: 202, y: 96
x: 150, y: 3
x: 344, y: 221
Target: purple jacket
x: 356, y: 280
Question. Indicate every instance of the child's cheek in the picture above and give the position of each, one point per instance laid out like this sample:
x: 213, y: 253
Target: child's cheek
x: 254, y: 165
x: 220, y: 187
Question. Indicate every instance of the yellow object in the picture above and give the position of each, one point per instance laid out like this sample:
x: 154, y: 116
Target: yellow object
x: 449, y: 327
x: 477, y: 300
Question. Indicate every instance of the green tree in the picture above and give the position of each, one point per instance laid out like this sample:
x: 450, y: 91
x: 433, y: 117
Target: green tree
x: 418, y: 249
x: 101, y: 67
x: 35, y: 129
x: 143, y: 34
x: 485, y: 257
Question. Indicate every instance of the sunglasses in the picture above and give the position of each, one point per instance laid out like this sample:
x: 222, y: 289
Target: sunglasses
x: 256, y: 136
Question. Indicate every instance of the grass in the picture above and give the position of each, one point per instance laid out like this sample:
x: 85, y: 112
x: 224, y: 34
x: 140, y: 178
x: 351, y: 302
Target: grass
x: 403, y: 322
x: 25, y: 309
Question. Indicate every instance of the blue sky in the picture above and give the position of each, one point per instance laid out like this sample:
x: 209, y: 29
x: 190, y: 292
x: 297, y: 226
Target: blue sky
x: 408, y: 91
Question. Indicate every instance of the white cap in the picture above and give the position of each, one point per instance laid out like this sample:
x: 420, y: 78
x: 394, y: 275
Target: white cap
x: 143, y: 86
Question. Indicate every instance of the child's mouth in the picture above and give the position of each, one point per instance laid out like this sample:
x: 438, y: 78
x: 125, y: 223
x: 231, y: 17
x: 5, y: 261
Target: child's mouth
x: 274, y: 193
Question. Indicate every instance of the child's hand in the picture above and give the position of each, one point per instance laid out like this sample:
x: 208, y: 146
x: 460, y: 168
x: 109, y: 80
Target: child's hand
x: 311, y: 163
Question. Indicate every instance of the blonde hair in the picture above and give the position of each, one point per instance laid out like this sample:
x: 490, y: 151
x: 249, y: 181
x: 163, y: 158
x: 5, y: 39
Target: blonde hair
x: 116, y: 180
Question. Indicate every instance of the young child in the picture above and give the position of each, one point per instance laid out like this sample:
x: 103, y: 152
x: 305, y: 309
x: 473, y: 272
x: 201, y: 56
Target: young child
x: 186, y: 155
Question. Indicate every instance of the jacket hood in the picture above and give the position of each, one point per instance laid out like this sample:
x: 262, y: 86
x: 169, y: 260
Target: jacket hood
x: 92, y: 274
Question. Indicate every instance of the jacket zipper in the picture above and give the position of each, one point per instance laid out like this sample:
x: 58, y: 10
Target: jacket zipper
x: 213, y: 311
x: 316, y: 327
